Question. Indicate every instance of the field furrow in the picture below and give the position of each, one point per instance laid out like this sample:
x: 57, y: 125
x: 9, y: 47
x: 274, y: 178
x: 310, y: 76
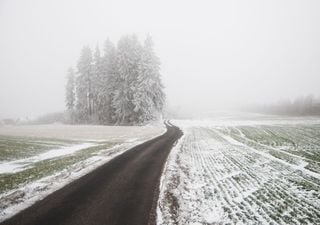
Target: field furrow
x: 243, y: 175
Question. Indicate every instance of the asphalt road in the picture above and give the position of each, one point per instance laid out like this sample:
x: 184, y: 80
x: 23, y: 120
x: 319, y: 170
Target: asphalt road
x: 123, y: 191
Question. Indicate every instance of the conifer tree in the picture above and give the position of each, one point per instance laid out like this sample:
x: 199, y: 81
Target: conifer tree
x: 149, y: 96
x: 128, y: 57
x: 123, y: 86
x: 84, y: 86
x: 97, y: 88
x: 70, y: 95
x: 108, y: 79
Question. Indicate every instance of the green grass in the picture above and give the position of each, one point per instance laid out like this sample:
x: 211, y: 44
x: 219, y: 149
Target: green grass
x: 12, y: 148
x: 48, y: 167
x: 283, y: 142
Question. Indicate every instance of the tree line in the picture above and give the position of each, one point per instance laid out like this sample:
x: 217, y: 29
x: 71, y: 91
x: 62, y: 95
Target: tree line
x: 301, y: 106
x: 121, y: 86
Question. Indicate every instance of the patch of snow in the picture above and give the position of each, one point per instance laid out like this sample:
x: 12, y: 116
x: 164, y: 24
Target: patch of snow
x: 212, y: 178
x: 13, y: 201
x: 84, y: 133
x: 295, y: 167
x: 22, y: 164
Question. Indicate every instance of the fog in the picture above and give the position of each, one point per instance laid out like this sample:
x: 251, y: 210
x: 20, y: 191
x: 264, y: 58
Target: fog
x: 214, y: 54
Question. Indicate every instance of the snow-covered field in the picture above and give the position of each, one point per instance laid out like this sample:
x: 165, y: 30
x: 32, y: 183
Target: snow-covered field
x: 243, y: 171
x: 37, y: 160
x: 82, y: 132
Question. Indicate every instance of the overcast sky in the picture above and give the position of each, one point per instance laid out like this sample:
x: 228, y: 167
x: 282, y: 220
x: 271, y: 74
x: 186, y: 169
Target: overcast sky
x: 213, y: 53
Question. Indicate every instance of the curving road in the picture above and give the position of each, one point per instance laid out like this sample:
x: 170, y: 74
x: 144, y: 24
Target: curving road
x: 123, y: 191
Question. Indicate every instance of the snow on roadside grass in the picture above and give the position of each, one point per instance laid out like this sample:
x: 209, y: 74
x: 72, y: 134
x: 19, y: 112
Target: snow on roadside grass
x: 52, y: 170
x: 214, y: 176
x: 18, y: 199
x: 22, y: 164
x: 14, y: 148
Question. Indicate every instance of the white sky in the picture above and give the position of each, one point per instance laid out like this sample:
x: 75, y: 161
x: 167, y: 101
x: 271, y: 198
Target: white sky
x: 213, y: 53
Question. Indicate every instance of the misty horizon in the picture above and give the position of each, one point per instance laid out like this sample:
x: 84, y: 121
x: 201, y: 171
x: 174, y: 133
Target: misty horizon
x: 214, y: 55
x: 159, y: 112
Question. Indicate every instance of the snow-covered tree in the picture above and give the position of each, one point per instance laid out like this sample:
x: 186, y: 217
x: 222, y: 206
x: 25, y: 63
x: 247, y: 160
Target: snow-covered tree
x: 123, y: 86
x: 84, y: 86
x: 149, y: 96
x: 128, y: 57
x: 96, y: 76
x: 70, y: 95
x: 107, y: 82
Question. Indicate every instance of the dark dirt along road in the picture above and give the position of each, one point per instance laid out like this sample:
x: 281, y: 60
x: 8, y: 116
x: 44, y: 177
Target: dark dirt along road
x: 123, y: 191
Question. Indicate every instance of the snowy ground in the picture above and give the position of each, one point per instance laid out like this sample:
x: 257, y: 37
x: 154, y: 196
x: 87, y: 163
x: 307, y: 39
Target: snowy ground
x: 81, y: 132
x: 243, y: 171
x: 37, y: 160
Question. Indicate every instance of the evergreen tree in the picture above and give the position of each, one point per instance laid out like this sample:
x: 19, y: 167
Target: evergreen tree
x: 148, y: 97
x: 128, y: 57
x: 157, y: 95
x: 107, y: 81
x: 121, y: 87
x: 70, y: 95
x: 84, y: 86
x: 96, y: 77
